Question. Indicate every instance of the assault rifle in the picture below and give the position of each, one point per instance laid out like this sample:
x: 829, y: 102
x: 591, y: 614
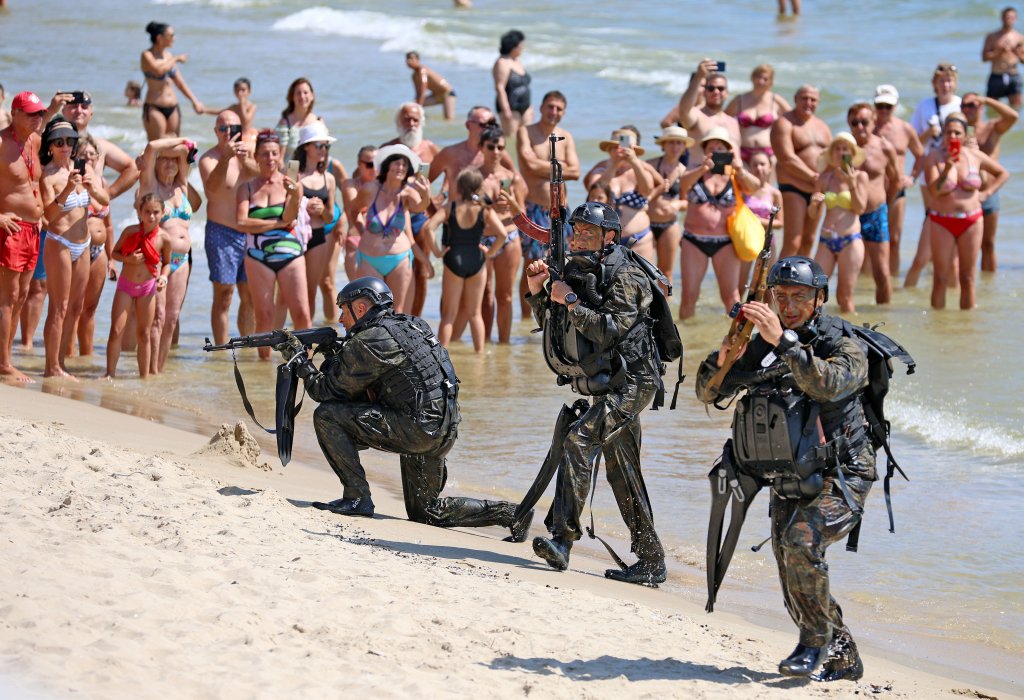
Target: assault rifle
x: 319, y: 340
x: 741, y: 328
x: 556, y: 259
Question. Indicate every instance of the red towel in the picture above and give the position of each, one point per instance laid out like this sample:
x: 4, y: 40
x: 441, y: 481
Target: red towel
x: 140, y: 240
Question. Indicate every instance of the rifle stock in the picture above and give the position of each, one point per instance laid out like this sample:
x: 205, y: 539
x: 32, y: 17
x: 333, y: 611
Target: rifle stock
x: 741, y: 328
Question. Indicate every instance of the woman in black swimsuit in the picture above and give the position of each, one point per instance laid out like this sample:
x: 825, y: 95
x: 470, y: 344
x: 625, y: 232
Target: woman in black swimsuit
x: 464, y: 254
x: 512, y: 84
x: 665, y: 203
x: 160, y: 113
x: 318, y: 187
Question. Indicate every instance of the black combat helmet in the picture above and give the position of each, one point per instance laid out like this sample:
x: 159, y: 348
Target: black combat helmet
x: 372, y: 288
x: 597, y: 214
x: 798, y: 270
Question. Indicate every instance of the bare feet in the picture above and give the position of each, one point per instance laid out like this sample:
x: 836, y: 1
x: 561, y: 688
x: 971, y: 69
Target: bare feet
x: 15, y: 376
x: 59, y: 373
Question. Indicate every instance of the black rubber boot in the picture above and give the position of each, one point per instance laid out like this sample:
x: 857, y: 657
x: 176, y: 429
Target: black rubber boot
x: 520, y: 528
x: 803, y: 661
x: 843, y: 662
x: 554, y: 551
x: 360, y: 507
x: 648, y: 573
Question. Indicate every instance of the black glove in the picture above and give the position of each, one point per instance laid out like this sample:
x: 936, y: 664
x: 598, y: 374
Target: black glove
x: 291, y: 347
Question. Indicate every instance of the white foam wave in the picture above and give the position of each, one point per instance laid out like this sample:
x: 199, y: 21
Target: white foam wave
x: 674, y: 83
x: 326, y: 20
x: 213, y: 3
x: 952, y: 428
x: 132, y: 141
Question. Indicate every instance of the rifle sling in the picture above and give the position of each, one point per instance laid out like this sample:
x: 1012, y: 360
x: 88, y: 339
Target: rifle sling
x: 245, y: 398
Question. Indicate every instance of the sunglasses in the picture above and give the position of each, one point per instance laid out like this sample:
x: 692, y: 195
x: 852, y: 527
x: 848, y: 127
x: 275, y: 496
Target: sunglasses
x: 366, y: 163
x: 322, y: 146
x: 859, y: 122
x: 970, y: 105
x: 882, y: 105
x: 494, y: 147
x: 716, y: 88
x: 62, y: 142
x: 945, y: 68
x: 492, y: 122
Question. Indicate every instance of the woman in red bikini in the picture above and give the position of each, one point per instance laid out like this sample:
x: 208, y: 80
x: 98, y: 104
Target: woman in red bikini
x: 955, y: 195
x: 756, y: 111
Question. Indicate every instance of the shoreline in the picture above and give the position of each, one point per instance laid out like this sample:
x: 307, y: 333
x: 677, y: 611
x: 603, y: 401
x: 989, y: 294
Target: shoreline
x: 198, y: 579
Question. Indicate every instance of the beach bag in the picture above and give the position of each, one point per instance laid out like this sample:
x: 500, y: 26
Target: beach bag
x: 745, y: 228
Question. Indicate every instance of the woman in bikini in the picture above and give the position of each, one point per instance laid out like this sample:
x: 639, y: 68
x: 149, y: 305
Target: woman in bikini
x: 164, y: 170
x: 712, y: 198
x: 67, y: 190
x: 267, y: 209
x: 503, y: 267
x: 756, y: 111
x: 955, y: 195
x: 101, y: 244
x: 387, y: 247
x: 297, y: 114
x: 473, y: 234
x: 145, y: 250
x: 666, y: 202
x: 318, y: 185
x: 631, y: 182
x: 761, y: 202
x: 160, y: 112
x: 842, y: 190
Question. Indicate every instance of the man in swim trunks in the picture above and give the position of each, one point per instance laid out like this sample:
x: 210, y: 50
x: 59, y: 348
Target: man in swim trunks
x: 427, y: 80
x: 78, y: 111
x: 988, y: 134
x: 903, y: 138
x: 21, y: 208
x: 222, y: 169
x: 532, y: 148
x: 409, y: 119
x: 798, y: 138
x: 881, y: 165
x: 1004, y: 49
x: 698, y: 121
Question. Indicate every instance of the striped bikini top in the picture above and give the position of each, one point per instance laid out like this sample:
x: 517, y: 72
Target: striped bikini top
x: 75, y: 200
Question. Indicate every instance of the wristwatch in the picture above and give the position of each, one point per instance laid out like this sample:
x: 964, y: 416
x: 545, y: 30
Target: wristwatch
x: 571, y: 298
x: 788, y: 340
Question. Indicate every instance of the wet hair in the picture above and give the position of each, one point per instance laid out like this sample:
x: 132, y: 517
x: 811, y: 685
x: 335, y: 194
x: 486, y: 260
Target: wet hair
x: 242, y: 81
x: 58, y: 122
x: 386, y: 165
x: 369, y: 148
x: 291, y: 96
x: 630, y: 127
x: 492, y: 133
x: 468, y: 183
x: 858, y: 106
x: 762, y: 69
x: 510, y: 40
x: 133, y: 89
x: 555, y: 95
x: 267, y: 136
x: 412, y: 54
x: 156, y: 30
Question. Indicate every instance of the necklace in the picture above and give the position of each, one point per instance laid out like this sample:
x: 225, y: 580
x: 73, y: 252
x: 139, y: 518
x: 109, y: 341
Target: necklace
x: 29, y: 165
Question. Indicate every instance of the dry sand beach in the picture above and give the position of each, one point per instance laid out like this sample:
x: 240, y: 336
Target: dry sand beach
x: 147, y: 564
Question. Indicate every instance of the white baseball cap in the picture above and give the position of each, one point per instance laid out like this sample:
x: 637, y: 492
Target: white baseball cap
x: 887, y: 95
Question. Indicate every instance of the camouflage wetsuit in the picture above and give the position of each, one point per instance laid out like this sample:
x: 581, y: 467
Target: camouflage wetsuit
x: 391, y: 387
x: 612, y: 424
x: 832, y: 371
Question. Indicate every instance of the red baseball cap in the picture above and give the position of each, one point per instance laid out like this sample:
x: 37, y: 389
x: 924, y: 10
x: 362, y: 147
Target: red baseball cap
x: 27, y: 102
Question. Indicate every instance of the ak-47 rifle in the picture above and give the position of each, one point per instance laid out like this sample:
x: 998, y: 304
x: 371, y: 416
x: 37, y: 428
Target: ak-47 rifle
x: 556, y: 257
x: 318, y: 339
x: 741, y: 328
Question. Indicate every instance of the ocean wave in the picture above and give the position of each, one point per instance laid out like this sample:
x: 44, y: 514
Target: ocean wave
x: 132, y: 141
x: 951, y: 428
x: 214, y: 3
x: 673, y: 83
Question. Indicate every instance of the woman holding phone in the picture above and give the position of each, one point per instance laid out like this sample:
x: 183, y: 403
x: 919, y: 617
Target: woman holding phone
x: 956, y: 192
x: 68, y: 187
x: 842, y: 190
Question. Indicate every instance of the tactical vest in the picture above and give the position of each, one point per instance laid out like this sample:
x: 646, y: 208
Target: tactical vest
x: 427, y: 377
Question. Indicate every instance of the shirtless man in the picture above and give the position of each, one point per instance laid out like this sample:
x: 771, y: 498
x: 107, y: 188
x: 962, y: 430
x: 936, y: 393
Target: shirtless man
x: 798, y: 137
x: 697, y: 121
x: 1004, y: 49
x: 409, y: 119
x: 79, y: 113
x: 535, y: 166
x: 427, y: 80
x: 21, y: 207
x: 451, y: 160
x: 884, y: 177
x: 222, y: 169
x: 988, y: 134
x: 903, y: 138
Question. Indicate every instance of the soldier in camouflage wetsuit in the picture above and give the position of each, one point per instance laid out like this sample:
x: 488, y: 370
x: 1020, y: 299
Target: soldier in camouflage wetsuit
x: 611, y: 426
x: 832, y: 371
x: 391, y: 386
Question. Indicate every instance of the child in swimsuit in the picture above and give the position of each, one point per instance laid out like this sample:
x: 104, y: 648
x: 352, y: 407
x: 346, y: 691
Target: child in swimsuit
x: 145, y: 251
x: 842, y: 190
